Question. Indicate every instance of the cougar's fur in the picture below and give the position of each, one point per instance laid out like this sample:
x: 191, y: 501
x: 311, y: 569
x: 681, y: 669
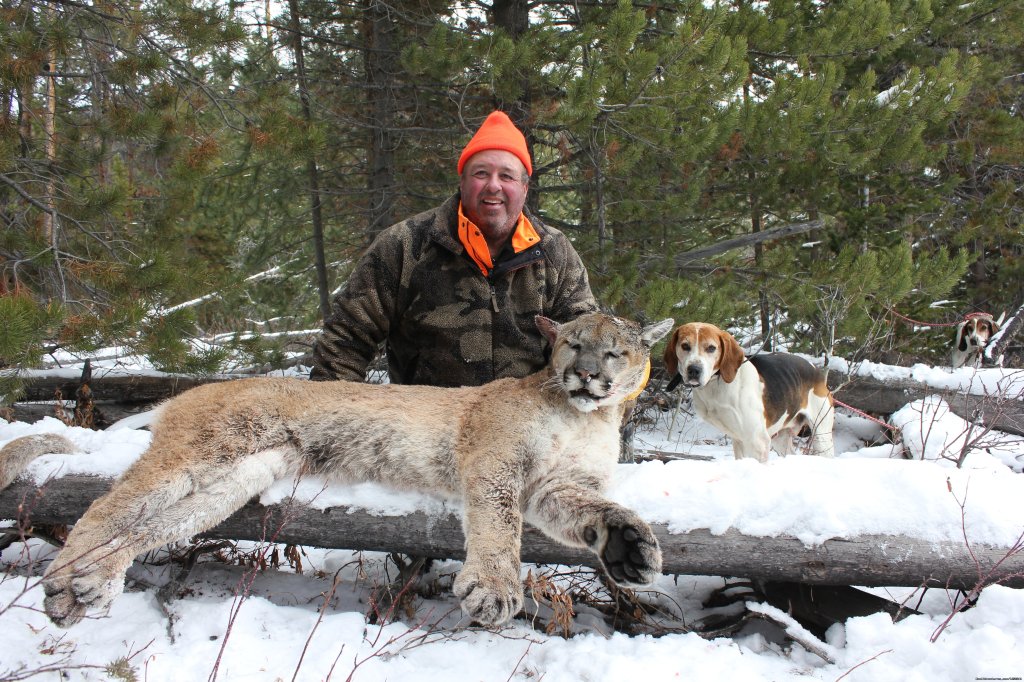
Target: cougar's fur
x: 539, y: 449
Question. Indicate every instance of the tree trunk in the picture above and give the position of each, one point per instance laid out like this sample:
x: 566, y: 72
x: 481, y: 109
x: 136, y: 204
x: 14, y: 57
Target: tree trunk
x: 380, y: 65
x: 50, y: 223
x: 513, y: 17
x: 312, y: 172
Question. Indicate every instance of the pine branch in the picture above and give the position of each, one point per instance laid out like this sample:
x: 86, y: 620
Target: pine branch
x: 13, y: 184
x: 779, y: 232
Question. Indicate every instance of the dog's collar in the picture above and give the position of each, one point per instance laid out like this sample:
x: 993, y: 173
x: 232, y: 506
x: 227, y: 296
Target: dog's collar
x: 674, y: 382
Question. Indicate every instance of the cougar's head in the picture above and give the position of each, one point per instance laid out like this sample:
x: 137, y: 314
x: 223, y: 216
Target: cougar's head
x: 599, y: 359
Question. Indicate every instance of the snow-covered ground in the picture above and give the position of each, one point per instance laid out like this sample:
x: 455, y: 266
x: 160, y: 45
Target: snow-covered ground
x: 232, y: 622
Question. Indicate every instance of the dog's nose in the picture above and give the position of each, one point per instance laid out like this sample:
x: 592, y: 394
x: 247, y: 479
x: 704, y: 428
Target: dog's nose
x: 693, y: 372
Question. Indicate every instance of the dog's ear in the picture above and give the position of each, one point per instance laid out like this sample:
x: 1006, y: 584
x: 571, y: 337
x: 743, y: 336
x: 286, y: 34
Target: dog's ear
x: 670, y: 358
x: 732, y: 357
x: 961, y: 337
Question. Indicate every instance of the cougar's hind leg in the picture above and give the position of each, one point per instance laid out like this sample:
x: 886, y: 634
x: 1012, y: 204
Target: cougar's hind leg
x: 20, y: 452
x: 579, y: 516
x: 145, y: 510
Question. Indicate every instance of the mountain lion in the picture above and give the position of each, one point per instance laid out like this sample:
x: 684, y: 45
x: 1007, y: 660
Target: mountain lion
x: 541, y: 448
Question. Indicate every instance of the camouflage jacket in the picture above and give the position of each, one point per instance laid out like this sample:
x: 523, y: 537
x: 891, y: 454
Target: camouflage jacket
x: 441, y: 320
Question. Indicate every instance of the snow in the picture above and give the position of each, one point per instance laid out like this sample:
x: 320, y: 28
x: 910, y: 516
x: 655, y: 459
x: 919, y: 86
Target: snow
x: 312, y: 625
x: 990, y: 381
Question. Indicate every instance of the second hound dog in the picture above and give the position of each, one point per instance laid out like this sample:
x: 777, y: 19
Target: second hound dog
x: 761, y: 401
x: 972, y: 336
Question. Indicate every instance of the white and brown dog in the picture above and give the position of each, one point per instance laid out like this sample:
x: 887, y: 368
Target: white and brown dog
x: 761, y: 401
x: 972, y: 336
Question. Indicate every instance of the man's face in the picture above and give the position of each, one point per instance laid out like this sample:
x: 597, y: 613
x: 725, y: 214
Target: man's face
x: 493, y: 187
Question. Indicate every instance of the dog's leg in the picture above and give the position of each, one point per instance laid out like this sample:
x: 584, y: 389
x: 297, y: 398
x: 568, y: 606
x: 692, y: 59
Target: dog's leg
x: 579, y: 516
x: 145, y: 510
x: 782, y: 442
x: 757, y: 447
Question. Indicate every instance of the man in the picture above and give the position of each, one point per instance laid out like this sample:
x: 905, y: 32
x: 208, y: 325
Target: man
x: 452, y: 292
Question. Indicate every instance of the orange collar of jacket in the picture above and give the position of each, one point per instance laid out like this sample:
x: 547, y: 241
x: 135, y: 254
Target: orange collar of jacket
x: 473, y: 240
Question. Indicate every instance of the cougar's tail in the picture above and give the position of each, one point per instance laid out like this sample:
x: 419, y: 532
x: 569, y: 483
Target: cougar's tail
x: 20, y: 452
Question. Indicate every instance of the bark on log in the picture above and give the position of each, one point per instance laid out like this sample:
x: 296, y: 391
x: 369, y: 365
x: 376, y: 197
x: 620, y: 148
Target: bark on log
x: 874, y: 560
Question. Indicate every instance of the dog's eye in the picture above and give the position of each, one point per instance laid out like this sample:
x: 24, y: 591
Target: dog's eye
x: 711, y: 348
x: 685, y: 346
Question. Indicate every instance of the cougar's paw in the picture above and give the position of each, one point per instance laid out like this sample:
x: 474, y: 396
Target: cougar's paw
x: 61, y: 605
x: 488, y: 599
x: 68, y: 599
x: 630, y: 552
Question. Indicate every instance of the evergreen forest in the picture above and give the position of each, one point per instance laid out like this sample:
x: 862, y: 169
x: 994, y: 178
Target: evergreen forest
x: 833, y: 176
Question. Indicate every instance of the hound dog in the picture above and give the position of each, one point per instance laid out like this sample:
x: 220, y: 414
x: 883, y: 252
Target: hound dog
x: 972, y: 336
x: 760, y: 401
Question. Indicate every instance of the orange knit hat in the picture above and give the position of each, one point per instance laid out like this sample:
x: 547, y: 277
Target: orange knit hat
x: 498, y: 132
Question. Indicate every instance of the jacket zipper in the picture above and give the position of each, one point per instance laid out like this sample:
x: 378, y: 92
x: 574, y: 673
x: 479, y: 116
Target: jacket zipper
x: 501, y: 271
x: 494, y: 295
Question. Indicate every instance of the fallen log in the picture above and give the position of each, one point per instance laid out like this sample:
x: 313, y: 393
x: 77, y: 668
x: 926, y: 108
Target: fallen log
x: 1002, y: 411
x: 873, y: 560
x: 111, y: 411
x: 121, y: 395
x: 999, y: 343
x: 120, y: 388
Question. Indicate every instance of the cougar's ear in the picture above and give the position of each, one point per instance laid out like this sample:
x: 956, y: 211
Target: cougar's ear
x: 670, y: 357
x: 732, y: 356
x: 653, y: 333
x: 548, y: 327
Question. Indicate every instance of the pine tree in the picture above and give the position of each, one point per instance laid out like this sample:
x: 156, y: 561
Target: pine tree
x: 98, y: 147
x: 141, y: 168
x: 985, y: 160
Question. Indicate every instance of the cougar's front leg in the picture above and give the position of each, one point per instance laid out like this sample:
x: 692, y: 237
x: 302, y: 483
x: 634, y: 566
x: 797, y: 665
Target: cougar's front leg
x: 146, y: 509
x: 579, y: 516
x: 488, y: 585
